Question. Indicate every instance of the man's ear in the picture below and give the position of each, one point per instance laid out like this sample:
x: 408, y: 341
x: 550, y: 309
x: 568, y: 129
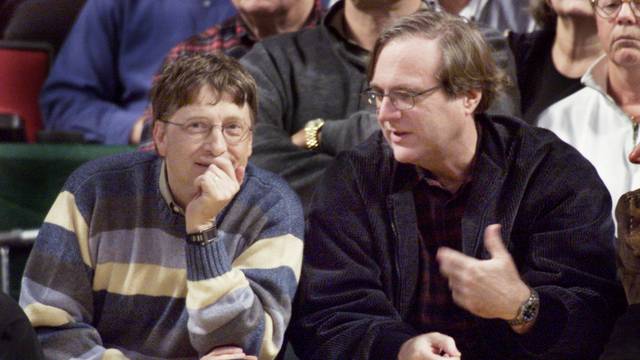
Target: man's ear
x: 160, y: 137
x: 471, y: 101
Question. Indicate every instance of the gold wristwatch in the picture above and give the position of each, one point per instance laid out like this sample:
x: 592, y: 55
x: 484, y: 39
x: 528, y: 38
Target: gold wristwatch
x: 312, y: 132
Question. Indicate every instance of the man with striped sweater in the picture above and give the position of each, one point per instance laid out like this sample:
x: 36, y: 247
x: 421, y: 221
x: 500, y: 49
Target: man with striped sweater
x: 188, y: 253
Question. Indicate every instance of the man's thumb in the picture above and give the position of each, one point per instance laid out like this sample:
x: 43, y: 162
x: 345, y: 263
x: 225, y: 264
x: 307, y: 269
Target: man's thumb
x: 493, y: 240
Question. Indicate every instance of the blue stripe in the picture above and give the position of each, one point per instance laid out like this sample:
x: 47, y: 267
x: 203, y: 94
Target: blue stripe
x: 156, y: 326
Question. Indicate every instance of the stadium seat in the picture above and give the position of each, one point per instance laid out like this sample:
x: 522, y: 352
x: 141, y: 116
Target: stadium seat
x: 23, y: 69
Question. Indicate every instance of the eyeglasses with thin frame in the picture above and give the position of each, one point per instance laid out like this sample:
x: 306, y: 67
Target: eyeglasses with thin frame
x: 233, y: 133
x: 401, y: 100
x: 610, y: 8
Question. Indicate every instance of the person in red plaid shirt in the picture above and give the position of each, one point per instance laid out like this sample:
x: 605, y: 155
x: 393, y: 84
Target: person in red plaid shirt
x: 255, y: 21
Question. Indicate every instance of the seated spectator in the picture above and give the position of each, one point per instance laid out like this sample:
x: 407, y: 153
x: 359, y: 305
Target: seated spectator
x: 454, y: 221
x: 601, y: 120
x: 99, y: 84
x: 254, y: 22
x: 177, y: 255
x: 550, y: 61
x: 310, y: 83
x: 502, y: 15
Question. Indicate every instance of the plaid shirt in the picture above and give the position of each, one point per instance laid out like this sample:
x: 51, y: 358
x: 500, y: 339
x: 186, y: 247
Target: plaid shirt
x: 232, y: 37
x: 439, y: 214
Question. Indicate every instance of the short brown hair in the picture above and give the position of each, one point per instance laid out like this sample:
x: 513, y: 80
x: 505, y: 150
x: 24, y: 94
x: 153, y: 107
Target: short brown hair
x: 180, y: 82
x: 467, y: 62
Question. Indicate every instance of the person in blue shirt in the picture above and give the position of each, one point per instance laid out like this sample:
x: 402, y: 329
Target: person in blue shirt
x: 99, y: 83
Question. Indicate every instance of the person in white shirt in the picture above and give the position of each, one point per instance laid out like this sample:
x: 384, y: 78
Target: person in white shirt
x: 601, y: 120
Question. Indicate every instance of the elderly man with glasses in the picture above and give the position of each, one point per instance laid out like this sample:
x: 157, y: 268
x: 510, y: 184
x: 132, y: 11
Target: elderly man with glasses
x: 452, y: 232
x: 601, y: 120
x: 186, y: 253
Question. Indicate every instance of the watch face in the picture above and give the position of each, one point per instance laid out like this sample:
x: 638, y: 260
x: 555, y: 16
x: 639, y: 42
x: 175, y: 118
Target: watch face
x: 530, y: 312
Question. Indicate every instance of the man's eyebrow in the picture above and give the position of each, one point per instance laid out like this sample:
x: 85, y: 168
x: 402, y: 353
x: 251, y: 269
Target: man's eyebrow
x: 233, y: 118
x: 397, y: 88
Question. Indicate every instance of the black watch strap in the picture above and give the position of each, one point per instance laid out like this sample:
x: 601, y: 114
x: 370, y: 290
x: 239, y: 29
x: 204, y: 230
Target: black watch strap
x: 203, y: 238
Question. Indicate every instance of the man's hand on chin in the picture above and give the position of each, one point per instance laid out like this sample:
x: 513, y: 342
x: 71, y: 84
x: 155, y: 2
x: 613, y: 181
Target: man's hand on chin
x: 215, y: 189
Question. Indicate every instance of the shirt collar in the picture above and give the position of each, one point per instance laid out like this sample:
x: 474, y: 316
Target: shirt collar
x: 424, y: 174
x: 596, y: 77
x: 166, y: 191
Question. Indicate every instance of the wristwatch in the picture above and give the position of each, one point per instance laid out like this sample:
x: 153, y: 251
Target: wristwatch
x: 204, y: 237
x: 312, y: 132
x: 528, y: 311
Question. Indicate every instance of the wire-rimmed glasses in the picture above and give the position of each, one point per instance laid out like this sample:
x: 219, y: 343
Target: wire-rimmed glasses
x: 610, y: 8
x: 233, y: 132
x: 401, y: 100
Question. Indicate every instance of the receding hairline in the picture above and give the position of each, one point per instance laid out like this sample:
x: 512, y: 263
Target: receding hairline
x: 406, y: 37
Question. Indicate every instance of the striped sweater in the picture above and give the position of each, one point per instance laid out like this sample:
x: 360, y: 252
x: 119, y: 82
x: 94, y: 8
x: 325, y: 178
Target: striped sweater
x: 111, y: 276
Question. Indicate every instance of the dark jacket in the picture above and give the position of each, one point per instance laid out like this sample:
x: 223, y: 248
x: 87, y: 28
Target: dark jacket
x: 361, y: 251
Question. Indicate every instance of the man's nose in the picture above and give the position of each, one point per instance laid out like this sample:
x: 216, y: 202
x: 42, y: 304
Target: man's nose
x: 626, y: 15
x: 386, y: 110
x: 215, y: 141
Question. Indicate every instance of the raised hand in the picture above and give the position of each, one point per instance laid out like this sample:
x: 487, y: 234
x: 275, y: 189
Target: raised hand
x: 486, y: 288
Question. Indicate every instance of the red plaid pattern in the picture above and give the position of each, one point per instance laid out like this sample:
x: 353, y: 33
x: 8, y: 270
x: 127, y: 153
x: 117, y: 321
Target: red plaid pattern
x: 439, y: 215
x: 231, y: 37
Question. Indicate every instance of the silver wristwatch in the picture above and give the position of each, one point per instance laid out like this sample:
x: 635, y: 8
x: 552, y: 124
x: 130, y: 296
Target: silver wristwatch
x: 528, y: 311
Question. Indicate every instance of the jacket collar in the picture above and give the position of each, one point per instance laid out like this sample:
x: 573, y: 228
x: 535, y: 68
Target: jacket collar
x: 488, y: 174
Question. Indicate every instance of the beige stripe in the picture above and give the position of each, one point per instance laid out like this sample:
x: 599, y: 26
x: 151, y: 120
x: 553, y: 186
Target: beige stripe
x: 269, y: 350
x: 206, y: 292
x: 113, y: 354
x: 45, y: 315
x: 140, y: 279
x: 65, y: 214
x: 285, y: 250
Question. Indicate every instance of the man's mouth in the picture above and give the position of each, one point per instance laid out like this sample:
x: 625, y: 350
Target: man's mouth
x: 396, y: 135
x: 204, y: 164
x: 626, y: 40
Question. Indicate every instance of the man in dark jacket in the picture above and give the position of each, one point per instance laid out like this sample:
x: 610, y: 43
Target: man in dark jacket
x: 451, y: 231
